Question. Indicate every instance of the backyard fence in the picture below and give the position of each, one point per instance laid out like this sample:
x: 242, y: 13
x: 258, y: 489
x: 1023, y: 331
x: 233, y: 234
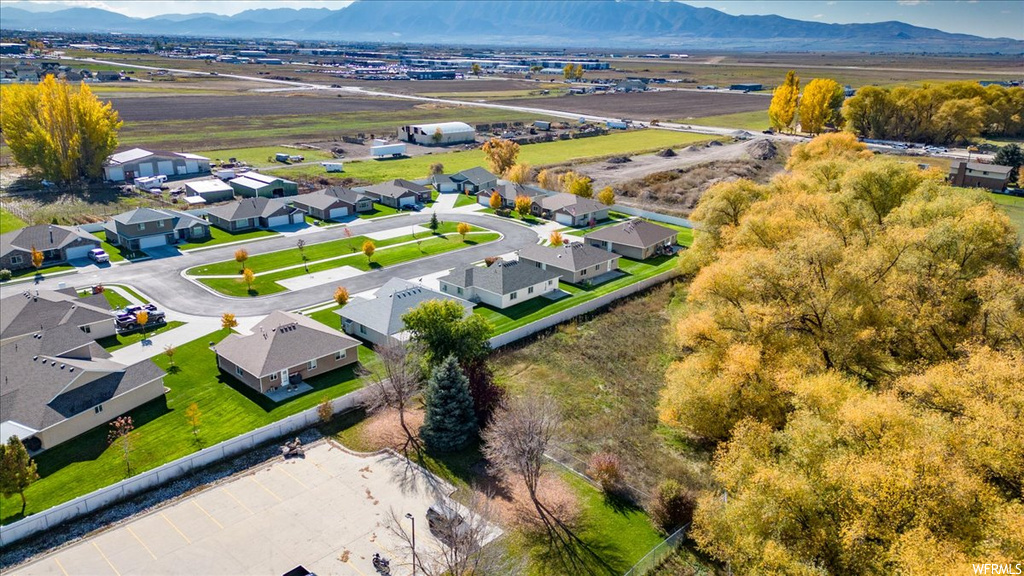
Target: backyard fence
x: 654, y: 559
x: 657, y: 217
x: 161, y: 475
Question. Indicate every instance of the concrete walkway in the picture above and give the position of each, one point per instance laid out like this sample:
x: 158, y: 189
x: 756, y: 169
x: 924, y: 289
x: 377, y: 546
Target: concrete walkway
x: 195, y: 327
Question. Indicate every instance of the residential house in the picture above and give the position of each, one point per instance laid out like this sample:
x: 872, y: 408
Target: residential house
x: 334, y: 203
x: 501, y: 284
x: 509, y: 191
x: 978, y: 175
x: 35, y: 310
x: 128, y: 165
x: 636, y: 239
x: 474, y: 180
x: 151, y: 227
x: 252, y: 213
x: 252, y: 184
x: 285, y: 348
x: 569, y: 209
x: 443, y: 183
x: 398, y: 193
x: 58, y: 383
x: 379, y: 319
x: 575, y: 262
x: 107, y: 76
x: 57, y: 243
x: 209, y: 191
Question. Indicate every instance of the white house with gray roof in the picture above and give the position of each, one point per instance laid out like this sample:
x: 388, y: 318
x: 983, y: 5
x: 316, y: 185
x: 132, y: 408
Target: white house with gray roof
x: 473, y: 180
x: 575, y: 262
x: 379, y: 319
x: 569, y: 209
x: 636, y: 239
x: 501, y: 284
x: 333, y: 203
x: 152, y: 227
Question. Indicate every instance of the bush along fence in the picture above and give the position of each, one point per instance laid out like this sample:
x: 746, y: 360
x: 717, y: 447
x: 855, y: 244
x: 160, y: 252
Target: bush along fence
x: 150, y: 479
x: 662, y: 552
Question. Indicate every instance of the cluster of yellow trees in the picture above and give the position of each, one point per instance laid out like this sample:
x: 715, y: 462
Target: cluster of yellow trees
x: 946, y: 113
x: 63, y: 132
x: 572, y: 72
x: 501, y: 156
x: 854, y: 345
x: 819, y: 106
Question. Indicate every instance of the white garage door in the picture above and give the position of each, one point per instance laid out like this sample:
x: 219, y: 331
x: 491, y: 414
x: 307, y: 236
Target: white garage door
x: 115, y: 173
x: 275, y: 221
x: 78, y: 252
x: 483, y: 200
x: 166, y: 167
x: 338, y: 212
x: 563, y: 219
x: 152, y: 241
x: 408, y: 201
x: 191, y: 166
x: 145, y: 169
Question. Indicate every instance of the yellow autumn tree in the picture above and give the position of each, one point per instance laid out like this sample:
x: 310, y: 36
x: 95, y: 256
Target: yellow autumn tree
x: 501, y: 154
x: 228, y: 321
x: 463, y: 228
x: 63, y: 132
x: 523, y: 205
x: 547, y: 180
x: 782, y: 110
x: 341, y: 295
x: 821, y: 105
x: 495, y: 201
x: 37, y: 258
x: 556, y: 238
x: 606, y: 196
x: 577, y: 184
x: 248, y: 277
x: 518, y: 174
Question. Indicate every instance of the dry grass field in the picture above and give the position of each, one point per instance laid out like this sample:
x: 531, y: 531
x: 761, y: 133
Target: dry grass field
x: 657, y: 105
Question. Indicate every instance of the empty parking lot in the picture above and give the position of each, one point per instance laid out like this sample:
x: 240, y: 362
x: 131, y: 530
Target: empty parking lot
x: 326, y: 512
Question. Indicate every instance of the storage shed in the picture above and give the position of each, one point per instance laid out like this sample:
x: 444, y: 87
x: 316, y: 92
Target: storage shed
x: 438, y: 134
x: 209, y: 190
x: 131, y: 164
x: 252, y: 184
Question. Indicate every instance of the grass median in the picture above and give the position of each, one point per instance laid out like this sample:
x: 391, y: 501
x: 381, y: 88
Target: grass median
x: 218, y: 236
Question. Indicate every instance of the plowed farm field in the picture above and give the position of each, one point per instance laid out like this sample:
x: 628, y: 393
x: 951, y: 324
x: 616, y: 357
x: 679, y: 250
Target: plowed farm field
x: 656, y: 105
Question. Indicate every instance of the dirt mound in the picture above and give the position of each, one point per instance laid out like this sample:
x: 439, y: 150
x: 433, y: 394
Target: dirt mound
x: 714, y: 143
x: 618, y: 160
x: 762, y: 150
x: 667, y: 153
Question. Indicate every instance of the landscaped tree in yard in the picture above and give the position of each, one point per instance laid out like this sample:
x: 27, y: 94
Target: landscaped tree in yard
x: 442, y: 330
x: 368, y: 249
x: 123, y: 436
x: 606, y: 196
x: 194, y: 417
x: 169, y: 352
x: 518, y: 174
x: 142, y: 319
x: 434, y: 223
x: 821, y: 105
x: 463, y: 229
x: 37, y: 258
x: 228, y: 321
x: 495, y: 201
x: 63, y: 132
x: 1010, y: 155
x: 782, y: 110
x: 301, y: 245
x: 341, y: 295
x: 556, y: 238
x: 450, y: 422
x: 393, y: 384
x: 523, y: 205
x: 248, y: 277
x: 501, y: 154
x: 17, y: 470
x: 241, y: 255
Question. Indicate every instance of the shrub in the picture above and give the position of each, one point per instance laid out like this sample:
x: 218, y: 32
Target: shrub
x: 505, y: 212
x: 490, y: 260
x: 5, y: 274
x: 605, y: 468
x: 671, y: 505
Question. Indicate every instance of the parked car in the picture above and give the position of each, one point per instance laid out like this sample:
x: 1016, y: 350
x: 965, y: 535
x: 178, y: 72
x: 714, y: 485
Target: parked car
x: 98, y: 255
x: 128, y: 320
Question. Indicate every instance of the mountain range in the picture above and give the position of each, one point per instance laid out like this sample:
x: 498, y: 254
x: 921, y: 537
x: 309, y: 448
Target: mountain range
x: 639, y: 24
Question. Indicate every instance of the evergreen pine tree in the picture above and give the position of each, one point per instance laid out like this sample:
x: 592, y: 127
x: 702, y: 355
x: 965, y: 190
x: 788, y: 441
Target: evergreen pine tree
x: 450, y: 421
x: 434, y: 224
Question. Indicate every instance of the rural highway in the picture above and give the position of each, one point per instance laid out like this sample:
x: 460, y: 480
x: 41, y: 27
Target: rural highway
x: 162, y: 280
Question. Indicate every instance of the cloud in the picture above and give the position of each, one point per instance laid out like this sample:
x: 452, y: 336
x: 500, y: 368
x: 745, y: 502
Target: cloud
x: 818, y: 16
x: 910, y: 2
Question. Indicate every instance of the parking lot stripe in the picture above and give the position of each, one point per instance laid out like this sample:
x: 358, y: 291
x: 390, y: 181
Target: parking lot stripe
x: 353, y: 566
x: 260, y: 484
x: 109, y: 563
x: 228, y: 492
x: 221, y: 526
x: 132, y: 532
x: 294, y: 478
x: 182, y: 534
x: 61, y: 566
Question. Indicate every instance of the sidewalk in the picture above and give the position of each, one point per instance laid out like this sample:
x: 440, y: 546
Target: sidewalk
x: 195, y: 327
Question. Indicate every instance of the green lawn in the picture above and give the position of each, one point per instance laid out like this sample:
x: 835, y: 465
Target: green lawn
x: 537, y: 308
x: 229, y: 409
x: 543, y: 154
x: 685, y: 237
x: 26, y: 272
x: 267, y: 283
x: 9, y: 222
x: 218, y: 236
x: 528, y: 219
x: 116, y: 253
x: 754, y: 121
x: 130, y: 291
x: 1013, y: 206
x: 264, y: 155
x: 113, y: 298
x: 465, y: 200
x: 378, y: 211
x: 118, y: 341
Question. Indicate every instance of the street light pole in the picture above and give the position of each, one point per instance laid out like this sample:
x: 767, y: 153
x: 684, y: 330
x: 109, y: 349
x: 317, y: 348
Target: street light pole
x: 413, y: 518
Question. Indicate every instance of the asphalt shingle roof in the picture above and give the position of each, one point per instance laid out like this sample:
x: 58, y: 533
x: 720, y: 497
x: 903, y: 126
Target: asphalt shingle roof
x: 330, y: 198
x: 638, y: 233
x: 570, y: 204
x: 258, y: 207
x: 26, y: 313
x: 475, y: 176
x: 43, y: 237
x: 395, y: 189
x: 574, y: 256
x: 396, y: 297
x: 500, y: 277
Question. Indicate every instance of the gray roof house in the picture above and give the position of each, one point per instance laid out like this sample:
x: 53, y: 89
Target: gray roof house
x: 57, y: 243
x: 333, y: 203
x: 474, y: 180
x: 58, y: 383
x: 283, y: 349
x: 500, y: 285
x: 509, y: 191
x: 575, y: 262
x: 151, y: 227
x: 398, y: 193
x: 252, y: 184
x: 251, y: 213
x: 35, y: 310
x: 569, y: 209
x: 443, y: 183
x: 636, y: 239
x: 379, y: 319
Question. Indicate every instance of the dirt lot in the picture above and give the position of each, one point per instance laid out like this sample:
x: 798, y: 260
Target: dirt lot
x: 443, y: 86
x: 657, y: 105
x: 187, y: 107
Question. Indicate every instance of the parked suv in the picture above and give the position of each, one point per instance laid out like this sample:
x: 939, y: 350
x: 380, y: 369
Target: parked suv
x: 98, y: 255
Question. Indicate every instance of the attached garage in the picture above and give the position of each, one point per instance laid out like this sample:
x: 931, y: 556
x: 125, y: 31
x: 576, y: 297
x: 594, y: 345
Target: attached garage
x: 407, y: 201
x: 275, y: 221
x: 563, y: 218
x: 152, y: 241
x: 78, y: 252
x: 338, y: 213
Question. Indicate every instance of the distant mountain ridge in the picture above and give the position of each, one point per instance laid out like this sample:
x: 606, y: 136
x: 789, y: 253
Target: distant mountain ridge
x: 640, y: 24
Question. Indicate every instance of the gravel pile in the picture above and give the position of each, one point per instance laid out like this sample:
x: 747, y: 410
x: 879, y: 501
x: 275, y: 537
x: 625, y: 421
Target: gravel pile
x: 714, y: 143
x: 762, y: 150
x: 667, y: 153
x: 74, y: 530
x: 618, y: 160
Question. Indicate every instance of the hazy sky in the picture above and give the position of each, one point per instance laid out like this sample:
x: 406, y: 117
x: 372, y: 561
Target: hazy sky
x: 989, y: 18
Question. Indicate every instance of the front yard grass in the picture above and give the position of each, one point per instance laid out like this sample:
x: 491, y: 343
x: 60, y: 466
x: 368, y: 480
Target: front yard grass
x: 528, y: 219
x: 218, y: 236
x: 118, y: 341
x: 116, y: 253
x: 378, y: 211
x: 42, y: 272
x: 465, y: 200
x: 229, y: 408
x: 9, y: 222
x: 1013, y: 206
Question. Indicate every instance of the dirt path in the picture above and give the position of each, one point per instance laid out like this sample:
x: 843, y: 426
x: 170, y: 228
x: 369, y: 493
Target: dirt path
x: 605, y: 174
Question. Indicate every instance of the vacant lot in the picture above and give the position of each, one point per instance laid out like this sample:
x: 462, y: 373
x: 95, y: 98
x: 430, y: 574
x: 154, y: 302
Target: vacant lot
x: 657, y: 105
x: 189, y: 107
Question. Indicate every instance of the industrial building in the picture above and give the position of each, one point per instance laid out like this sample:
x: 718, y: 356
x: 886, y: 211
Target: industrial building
x: 131, y: 164
x: 438, y: 134
x: 252, y: 184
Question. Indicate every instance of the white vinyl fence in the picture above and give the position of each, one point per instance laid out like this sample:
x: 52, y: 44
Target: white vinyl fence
x: 656, y: 216
x: 152, y: 478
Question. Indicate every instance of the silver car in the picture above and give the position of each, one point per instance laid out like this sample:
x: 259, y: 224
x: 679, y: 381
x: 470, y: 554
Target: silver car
x: 98, y: 255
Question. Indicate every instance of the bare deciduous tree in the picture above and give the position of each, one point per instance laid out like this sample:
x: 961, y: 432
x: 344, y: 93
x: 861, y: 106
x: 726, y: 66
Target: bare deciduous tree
x: 393, y: 384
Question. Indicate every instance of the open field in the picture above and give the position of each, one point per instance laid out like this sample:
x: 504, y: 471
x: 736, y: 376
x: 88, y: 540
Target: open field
x: 544, y: 154
x: 263, y: 155
x: 1014, y: 208
x: 657, y: 105
x: 228, y: 407
x: 188, y: 107
x: 755, y: 120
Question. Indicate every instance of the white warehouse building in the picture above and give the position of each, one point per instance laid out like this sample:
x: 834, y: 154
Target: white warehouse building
x: 135, y: 163
x: 427, y: 134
